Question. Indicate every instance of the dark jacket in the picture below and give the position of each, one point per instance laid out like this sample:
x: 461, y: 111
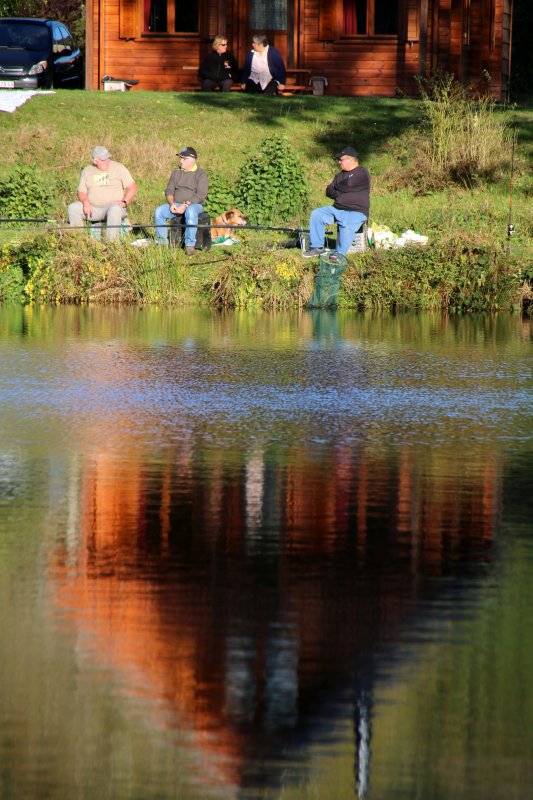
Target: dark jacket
x: 219, y: 67
x: 275, y: 65
x: 190, y: 186
x: 350, y: 191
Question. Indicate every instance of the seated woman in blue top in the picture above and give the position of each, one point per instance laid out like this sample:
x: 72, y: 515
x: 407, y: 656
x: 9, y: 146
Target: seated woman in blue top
x: 264, y: 70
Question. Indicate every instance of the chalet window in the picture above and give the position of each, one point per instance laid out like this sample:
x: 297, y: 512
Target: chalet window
x: 171, y: 16
x: 339, y: 18
x: 268, y: 15
x: 370, y: 17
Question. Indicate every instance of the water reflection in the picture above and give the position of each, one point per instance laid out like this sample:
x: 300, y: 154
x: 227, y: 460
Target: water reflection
x: 249, y: 592
x: 253, y: 569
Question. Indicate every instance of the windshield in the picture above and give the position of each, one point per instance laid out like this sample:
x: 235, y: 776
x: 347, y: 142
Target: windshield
x: 24, y: 36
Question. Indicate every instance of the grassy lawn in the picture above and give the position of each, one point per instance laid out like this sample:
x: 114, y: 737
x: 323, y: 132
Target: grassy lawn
x: 54, y: 135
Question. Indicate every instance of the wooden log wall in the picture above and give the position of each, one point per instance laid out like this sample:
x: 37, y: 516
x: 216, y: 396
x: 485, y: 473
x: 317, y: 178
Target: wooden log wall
x: 471, y: 51
x: 363, y: 65
x: 431, y: 33
x: 155, y: 60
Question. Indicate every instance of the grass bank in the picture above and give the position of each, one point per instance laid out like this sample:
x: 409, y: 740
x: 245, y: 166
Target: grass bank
x: 466, y: 264
x: 456, y: 275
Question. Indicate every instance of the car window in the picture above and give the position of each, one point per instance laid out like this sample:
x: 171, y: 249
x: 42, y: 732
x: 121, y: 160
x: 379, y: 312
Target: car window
x: 5, y: 36
x: 59, y: 45
x: 24, y: 36
x: 68, y: 41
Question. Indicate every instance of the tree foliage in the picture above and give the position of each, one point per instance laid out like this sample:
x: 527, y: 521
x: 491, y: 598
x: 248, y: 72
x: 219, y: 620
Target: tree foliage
x: 71, y: 12
x: 522, y: 53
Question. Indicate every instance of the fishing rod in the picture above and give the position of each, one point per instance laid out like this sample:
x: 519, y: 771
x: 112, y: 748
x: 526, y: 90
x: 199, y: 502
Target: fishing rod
x: 510, y: 226
x: 55, y: 226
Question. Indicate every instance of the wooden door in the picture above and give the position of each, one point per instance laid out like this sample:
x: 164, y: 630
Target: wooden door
x: 277, y: 19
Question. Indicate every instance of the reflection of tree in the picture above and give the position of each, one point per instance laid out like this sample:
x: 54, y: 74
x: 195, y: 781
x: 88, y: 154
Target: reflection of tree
x: 241, y: 589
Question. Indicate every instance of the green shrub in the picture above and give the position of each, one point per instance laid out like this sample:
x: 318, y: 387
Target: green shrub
x: 11, y: 276
x: 24, y: 195
x: 456, y: 276
x: 221, y: 196
x: 18, y: 262
x: 272, y: 186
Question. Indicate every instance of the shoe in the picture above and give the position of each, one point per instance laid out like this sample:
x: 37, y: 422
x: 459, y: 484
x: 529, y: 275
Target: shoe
x: 189, y: 251
x: 314, y: 252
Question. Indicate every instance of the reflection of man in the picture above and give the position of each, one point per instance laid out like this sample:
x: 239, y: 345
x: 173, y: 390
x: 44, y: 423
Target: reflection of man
x: 350, y: 192
x: 186, y: 191
x: 105, y: 190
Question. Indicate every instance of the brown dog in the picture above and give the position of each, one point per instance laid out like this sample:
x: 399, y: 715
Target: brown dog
x: 231, y: 217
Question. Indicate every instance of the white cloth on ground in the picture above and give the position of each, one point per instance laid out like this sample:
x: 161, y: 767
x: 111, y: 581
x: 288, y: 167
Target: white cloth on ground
x: 11, y: 99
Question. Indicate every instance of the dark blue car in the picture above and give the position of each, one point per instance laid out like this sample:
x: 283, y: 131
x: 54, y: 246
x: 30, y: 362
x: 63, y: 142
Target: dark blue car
x: 38, y: 54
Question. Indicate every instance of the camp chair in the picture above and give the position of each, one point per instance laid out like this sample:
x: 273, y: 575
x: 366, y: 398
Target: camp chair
x: 203, y: 232
x: 96, y: 228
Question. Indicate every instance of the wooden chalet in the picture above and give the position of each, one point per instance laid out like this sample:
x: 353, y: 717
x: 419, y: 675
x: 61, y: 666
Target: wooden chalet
x: 362, y: 47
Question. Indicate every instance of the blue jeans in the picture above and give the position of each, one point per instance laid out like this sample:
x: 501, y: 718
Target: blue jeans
x: 163, y: 214
x: 348, y: 223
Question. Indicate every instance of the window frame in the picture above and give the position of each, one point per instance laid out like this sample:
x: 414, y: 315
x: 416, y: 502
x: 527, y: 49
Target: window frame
x: 331, y: 23
x: 171, y: 22
x: 132, y: 16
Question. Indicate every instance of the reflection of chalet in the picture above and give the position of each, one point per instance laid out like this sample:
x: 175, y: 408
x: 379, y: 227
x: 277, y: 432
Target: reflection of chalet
x: 362, y: 47
x: 239, y: 603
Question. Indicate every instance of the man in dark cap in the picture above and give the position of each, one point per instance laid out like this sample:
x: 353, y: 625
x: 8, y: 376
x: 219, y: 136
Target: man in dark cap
x: 350, y: 192
x: 186, y: 192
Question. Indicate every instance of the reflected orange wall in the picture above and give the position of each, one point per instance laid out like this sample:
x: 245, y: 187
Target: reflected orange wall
x: 151, y: 639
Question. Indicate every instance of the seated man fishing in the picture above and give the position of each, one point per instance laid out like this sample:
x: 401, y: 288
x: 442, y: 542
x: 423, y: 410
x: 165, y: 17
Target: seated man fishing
x: 186, y: 191
x: 350, y: 192
x: 105, y: 191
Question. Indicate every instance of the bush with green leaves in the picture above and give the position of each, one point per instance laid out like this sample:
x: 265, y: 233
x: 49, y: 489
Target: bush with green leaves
x: 221, y: 196
x: 11, y: 276
x: 458, y: 275
x: 272, y: 185
x: 18, y: 263
x: 25, y: 195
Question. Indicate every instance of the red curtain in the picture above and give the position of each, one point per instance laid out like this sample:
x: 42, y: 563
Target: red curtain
x: 350, y: 17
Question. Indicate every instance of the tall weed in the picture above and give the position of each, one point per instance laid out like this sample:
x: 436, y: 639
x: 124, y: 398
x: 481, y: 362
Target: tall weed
x: 469, y: 136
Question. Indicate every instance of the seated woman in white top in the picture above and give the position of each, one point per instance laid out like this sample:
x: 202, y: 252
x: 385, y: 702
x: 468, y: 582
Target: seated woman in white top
x: 264, y: 70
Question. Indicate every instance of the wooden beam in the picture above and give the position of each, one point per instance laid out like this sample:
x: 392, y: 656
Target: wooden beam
x: 89, y: 44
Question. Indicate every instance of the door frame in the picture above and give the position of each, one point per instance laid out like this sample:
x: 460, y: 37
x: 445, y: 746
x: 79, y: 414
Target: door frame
x: 287, y: 41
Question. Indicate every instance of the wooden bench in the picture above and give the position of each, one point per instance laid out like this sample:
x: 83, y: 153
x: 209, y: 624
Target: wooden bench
x: 195, y: 87
x: 297, y: 82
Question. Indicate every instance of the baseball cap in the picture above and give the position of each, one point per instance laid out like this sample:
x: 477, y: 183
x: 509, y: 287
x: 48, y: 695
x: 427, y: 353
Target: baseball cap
x: 347, y: 151
x: 101, y: 152
x: 188, y: 151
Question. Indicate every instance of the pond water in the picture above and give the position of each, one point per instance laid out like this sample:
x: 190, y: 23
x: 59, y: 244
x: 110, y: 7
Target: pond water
x: 265, y: 556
